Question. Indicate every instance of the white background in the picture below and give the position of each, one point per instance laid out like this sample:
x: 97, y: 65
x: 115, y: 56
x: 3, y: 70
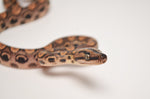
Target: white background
x: 122, y: 28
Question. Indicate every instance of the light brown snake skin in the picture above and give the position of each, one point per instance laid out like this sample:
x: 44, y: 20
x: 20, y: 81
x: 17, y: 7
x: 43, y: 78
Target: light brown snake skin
x: 79, y: 50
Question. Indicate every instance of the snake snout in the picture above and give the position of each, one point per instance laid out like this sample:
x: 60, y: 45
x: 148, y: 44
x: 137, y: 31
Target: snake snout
x: 103, y: 58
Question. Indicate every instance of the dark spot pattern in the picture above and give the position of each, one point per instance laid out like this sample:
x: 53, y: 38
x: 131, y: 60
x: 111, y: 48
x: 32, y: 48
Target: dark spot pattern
x: 32, y: 65
x: 13, y: 21
x: 78, y: 58
x: 21, y: 59
x: 28, y: 16
x: 94, y: 58
x: 5, y: 57
x: 6, y: 27
x: 59, y: 54
x: 14, y: 65
x: 51, y: 59
x: 95, y: 51
x: 36, y: 17
x: 42, y: 9
x: 85, y: 52
x: 42, y: 62
x: 3, y: 25
x: 72, y: 61
x: 22, y: 22
x: 69, y: 57
x: 66, y: 45
x: 75, y: 45
x: 62, y: 60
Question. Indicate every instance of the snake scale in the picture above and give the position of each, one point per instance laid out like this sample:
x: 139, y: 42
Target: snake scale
x: 78, y: 50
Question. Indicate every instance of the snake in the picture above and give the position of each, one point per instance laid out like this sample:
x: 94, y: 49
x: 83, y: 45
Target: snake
x: 77, y: 50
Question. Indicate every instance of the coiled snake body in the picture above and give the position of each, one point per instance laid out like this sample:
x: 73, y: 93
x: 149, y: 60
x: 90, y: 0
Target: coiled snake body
x: 80, y: 50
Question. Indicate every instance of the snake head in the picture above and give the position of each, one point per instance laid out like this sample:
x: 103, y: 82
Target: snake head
x: 89, y: 56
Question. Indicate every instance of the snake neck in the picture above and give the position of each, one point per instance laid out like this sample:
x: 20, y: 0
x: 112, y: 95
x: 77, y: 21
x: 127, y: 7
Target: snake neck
x: 46, y: 58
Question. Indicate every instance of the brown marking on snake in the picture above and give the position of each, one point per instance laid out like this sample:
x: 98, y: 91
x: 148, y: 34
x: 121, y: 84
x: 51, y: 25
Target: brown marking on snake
x: 63, y: 53
x: 9, y: 3
x: 51, y: 59
x: 16, y: 10
x: 2, y: 46
x: 71, y: 38
x: 13, y: 20
x: 29, y: 51
x: 41, y: 53
x: 14, y: 50
x: 82, y: 38
x: 3, y: 15
x: 49, y: 48
x: 67, y: 44
x: 32, y: 65
x: 5, y: 56
x: 21, y: 58
x: 60, y: 41
x: 32, y: 6
x: 71, y: 48
x: 63, y: 60
x: 41, y: 1
x: 91, y: 42
x: 69, y: 57
x: 14, y: 65
x: 72, y: 61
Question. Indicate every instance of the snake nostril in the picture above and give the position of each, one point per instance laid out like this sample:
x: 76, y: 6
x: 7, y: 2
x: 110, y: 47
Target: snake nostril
x: 103, y: 56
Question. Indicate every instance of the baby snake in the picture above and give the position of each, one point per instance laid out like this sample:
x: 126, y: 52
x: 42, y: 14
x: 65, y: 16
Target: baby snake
x: 79, y: 50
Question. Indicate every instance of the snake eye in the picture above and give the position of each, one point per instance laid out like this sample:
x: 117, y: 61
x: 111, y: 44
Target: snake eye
x: 87, y: 57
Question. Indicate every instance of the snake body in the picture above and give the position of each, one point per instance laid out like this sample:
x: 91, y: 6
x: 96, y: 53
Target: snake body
x: 79, y: 50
